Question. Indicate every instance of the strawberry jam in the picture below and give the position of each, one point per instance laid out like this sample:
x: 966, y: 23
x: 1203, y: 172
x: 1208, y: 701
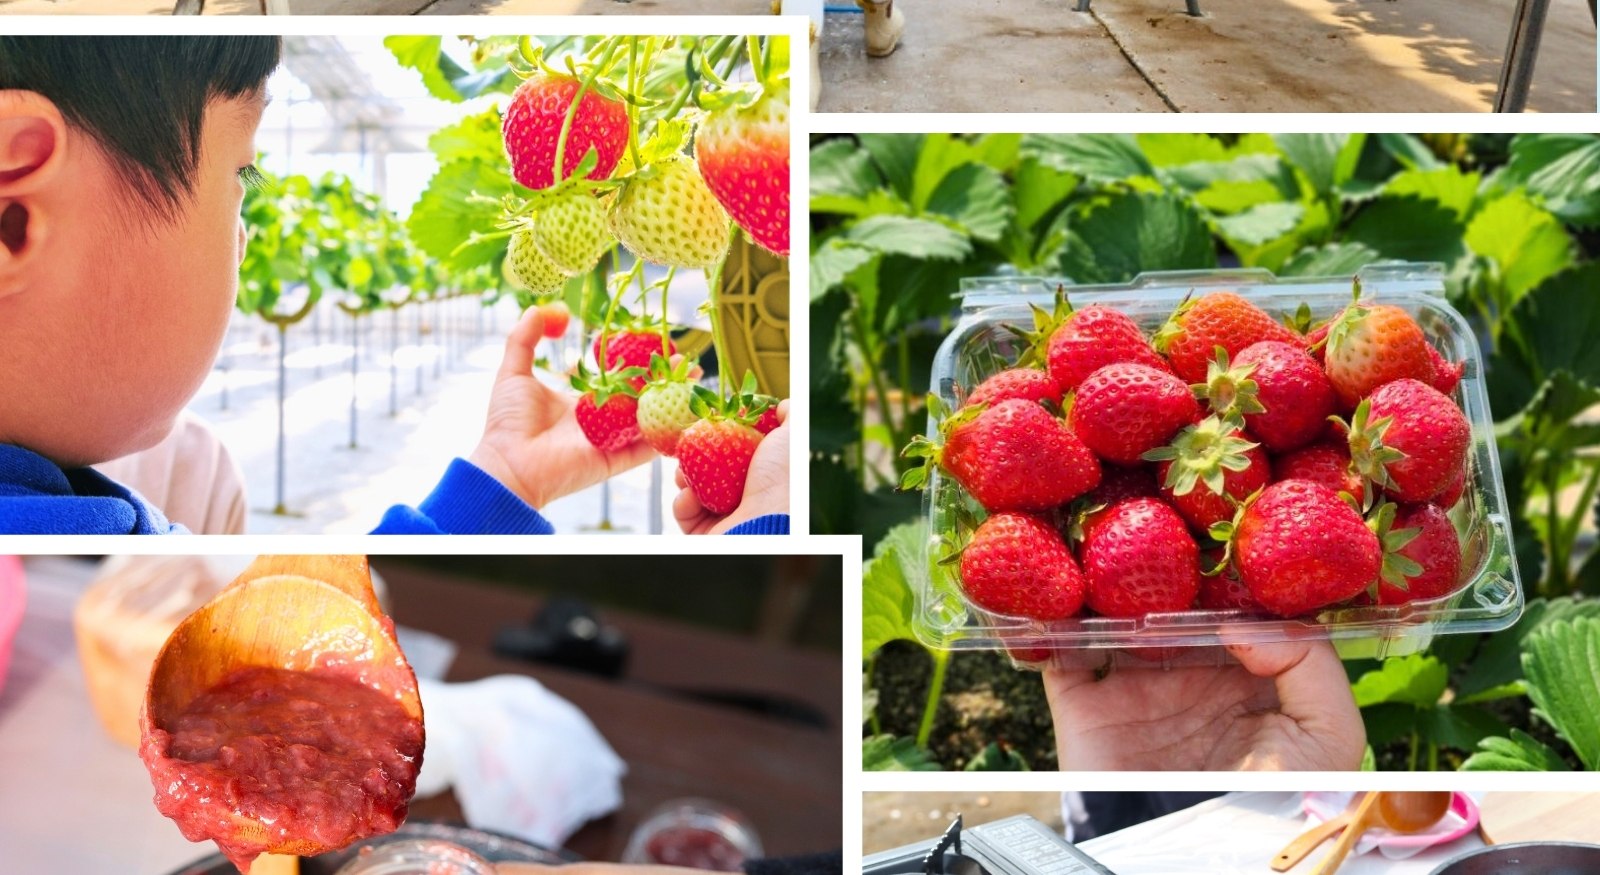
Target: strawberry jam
x: 311, y: 757
x: 694, y: 848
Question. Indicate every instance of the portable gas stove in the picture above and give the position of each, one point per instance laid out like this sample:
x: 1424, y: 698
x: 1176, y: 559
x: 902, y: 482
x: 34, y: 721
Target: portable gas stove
x: 1017, y: 845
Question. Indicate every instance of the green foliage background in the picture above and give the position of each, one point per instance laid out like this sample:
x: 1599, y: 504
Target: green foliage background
x: 898, y: 220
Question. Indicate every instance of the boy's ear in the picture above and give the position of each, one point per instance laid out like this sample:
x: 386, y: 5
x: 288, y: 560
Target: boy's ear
x: 33, y: 139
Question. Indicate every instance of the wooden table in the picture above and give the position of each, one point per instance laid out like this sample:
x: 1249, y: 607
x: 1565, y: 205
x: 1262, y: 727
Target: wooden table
x: 1540, y: 817
x: 785, y: 777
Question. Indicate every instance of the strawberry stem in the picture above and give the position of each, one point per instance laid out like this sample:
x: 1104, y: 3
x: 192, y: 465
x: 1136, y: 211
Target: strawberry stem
x: 666, y: 324
x: 557, y: 173
x: 713, y: 282
x: 633, y: 109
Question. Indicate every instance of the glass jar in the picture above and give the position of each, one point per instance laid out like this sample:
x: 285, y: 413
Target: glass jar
x: 696, y: 834
x: 417, y: 857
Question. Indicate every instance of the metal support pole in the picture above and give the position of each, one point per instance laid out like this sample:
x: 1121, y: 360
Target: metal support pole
x: 355, y: 376
x: 1522, y: 52
x: 394, y: 362
x: 420, y: 368
x: 283, y: 437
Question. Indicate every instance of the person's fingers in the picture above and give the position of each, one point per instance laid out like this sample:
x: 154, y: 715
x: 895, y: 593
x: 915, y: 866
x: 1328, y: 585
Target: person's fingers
x: 695, y: 372
x: 524, y: 336
x: 1313, y: 689
x: 783, y: 411
x: 678, y: 478
x: 688, y: 511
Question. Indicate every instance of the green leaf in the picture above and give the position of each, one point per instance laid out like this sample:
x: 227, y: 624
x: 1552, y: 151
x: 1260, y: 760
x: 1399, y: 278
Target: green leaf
x: 422, y: 53
x: 1095, y: 157
x: 886, y: 599
x: 1557, y: 322
x: 995, y: 758
x: 1327, y: 160
x: 1560, y: 170
x: 1409, y: 150
x: 1334, y: 259
x: 1446, y: 186
x: 833, y: 262
x: 1039, y: 190
x: 1408, y: 228
x: 1417, y: 680
x: 975, y: 197
x: 886, y: 753
x: 1261, y: 223
x: 842, y: 177
x: 1166, y: 150
x: 1229, y: 196
x: 1519, y: 753
x: 445, y: 216
x: 1562, y: 661
x: 896, y: 158
x: 1527, y: 242
x: 1252, y: 170
x: 1124, y: 234
x: 1460, y: 726
x: 903, y: 235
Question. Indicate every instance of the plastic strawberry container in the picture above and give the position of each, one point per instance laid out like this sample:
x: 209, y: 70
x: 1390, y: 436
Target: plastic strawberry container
x: 1489, y: 598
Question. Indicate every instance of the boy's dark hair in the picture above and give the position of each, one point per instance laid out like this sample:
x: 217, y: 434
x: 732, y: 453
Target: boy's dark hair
x: 143, y: 98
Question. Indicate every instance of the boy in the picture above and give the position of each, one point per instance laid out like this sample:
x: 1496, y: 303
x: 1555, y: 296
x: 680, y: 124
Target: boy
x: 123, y: 162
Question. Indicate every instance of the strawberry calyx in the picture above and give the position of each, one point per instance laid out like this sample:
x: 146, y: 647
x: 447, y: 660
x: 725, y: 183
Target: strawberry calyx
x: 1173, y: 329
x: 1397, y: 569
x: 744, y: 406
x: 1037, y: 342
x: 1224, y: 533
x: 604, y: 384
x: 1203, y: 453
x: 1300, y: 321
x: 662, y: 372
x: 1349, y: 320
x: 1229, y: 389
x: 1369, y: 456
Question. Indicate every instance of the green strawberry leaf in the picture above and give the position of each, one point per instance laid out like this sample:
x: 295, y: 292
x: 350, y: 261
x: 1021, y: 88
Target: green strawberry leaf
x: 1333, y: 259
x: 886, y: 598
x: 1418, y: 680
x: 1527, y: 243
x: 1119, y: 236
x: 1448, y: 186
x: 1094, y: 157
x: 887, y: 753
x: 1562, y: 662
x: 1560, y: 170
x: 1519, y: 753
x: 1498, y: 662
x: 1555, y: 324
x: 904, y: 235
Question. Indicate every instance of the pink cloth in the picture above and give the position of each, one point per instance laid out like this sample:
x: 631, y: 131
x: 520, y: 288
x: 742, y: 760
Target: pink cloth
x: 190, y: 476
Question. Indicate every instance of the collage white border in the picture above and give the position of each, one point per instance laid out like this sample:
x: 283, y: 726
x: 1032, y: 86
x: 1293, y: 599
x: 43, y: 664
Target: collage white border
x: 849, y: 547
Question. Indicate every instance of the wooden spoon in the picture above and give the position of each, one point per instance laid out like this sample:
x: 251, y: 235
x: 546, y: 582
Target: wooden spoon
x: 1306, y: 842
x: 297, y: 613
x: 1398, y: 812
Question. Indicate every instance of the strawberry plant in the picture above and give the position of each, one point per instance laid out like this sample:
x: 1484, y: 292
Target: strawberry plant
x: 605, y: 160
x: 900, y: 219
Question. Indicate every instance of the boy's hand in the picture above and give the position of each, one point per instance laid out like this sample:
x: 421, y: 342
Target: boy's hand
x: 766, y: 488
x: 532, y: 443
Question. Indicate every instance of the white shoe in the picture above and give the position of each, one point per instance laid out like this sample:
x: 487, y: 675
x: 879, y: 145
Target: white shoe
x: 885, y: 24
x: 816, y: 67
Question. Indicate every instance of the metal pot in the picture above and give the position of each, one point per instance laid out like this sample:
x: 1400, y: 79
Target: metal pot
x: 1526, y: 858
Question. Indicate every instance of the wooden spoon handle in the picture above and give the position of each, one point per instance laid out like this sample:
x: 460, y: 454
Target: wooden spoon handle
x: 1358, y: 825
x: 1306, y: 842
x: 348, y: 573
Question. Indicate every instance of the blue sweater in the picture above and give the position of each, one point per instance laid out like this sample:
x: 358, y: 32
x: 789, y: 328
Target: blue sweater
x: 39, y: 498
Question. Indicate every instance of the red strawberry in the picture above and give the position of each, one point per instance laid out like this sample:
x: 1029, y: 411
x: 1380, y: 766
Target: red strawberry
x: 768, y: 420
x: 1409, y: 439
x: 1300, y: 547
x: 1139, y: 559
x: 743, y: 152
x: 1017, y: 565
x: 1316, y: 341
x: 532, y: 129
x: 1224, y: 591
x: 1453, y: 492
x: 1422, y: 554
x: 1015, y: 455
x: 1208, y: 470
x: 556, y: 316
x: 1373, y: 344
x: 1118, y: 483
x: 632, y: 348
x: 610, y: 422
x: 1123, y: 411
x: 1446, y: 375
x: 1292, y: 398
x: 1028, y: 384
x: 1072, y: 344
x: 714, y: 455
x: 1192, y: 334
x: 1325, y: 463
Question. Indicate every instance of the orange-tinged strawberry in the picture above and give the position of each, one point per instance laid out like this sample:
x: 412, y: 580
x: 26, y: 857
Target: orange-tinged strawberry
x: 532, y: 129
x: 1191, y: 335
x: 1373, y: 344
x: 1016, y: 564
x: 743, y: 152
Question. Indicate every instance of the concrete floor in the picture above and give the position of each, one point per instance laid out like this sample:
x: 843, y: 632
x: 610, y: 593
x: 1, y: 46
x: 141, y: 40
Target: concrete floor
x: 1125, y: 55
